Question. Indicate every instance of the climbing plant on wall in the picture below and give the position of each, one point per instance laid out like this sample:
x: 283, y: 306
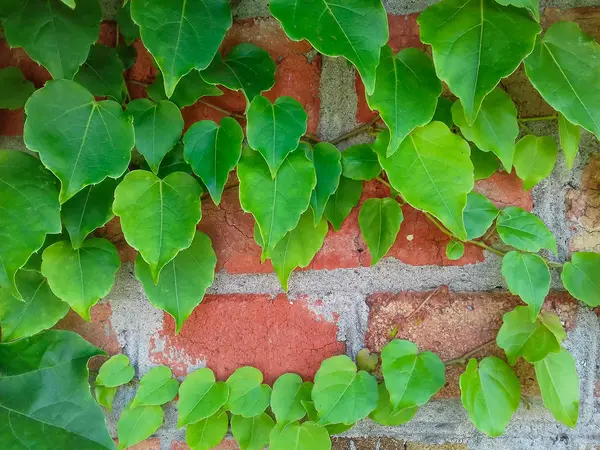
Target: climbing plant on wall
x: 95, y: 153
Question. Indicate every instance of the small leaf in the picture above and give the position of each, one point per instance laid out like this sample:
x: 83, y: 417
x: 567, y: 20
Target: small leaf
x: 252, y: 433
x: 207, y: 433
x: 200, y: 397
x: 570, y: 136
x: 524, y: 231
x: 294, y: 436
x: 533, y: 6
x: 386, y: 414
x: 102, y: 73
x: 247, y: 396
x: 360, y: 162
x: 443, y: 112
x: 367, y: 361
x: 485, y: 164
x: 105, y: 396
x: 115, y: 372
x: 379, y: 220
x: 288, y: 394
x: 479, y: 215
x: 189, y: 90
x: 127, y: 27
x: 327, y: 160
x: 534, y: 159
x: 156, y: 388
x: 455, y: 250
x: 343, y: 200
x: 138, y: 424
x: 14, y: 88
x: 581, y: 277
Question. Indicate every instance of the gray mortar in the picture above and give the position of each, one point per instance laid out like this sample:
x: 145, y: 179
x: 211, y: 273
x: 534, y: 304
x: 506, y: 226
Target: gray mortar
x: 110, y: 8
x: 250, y: 8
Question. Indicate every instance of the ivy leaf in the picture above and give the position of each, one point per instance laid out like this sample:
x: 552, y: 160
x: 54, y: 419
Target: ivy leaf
x: 341, y: 394
x: 38, y: 310
x: 313, y: 416
x: 127, y: 27
x: 52, y: 34
x: 356, y: 31
x: 34, y: 263
x: 527, y: 276
x: 479, y: 215
x: 138, y: 424
x: 379, y: 220
x: 128, y: 55
x: 533, y: 6
x: 14, y: 88
x: 189, y: 90
x: 80, y: 140
x: 172, y: 162
x: 534, y: 159
x: 581, y: 277
x: 247, y: 396
x: 102, y: 73
x: 455, y: 250
x: 485, y: 164
x: 524, y: 231
x: 441, y: 172
x: 105, y: 396
x: 406, y: 92
x: 252, y: 433
x: 495, y: 129
x: 559, y: 382
x: 554, y: 68
x: 115, y: 372
x: 158, y: 217
x: 288, y: 394
x: 343, y: 200
x: 156, y: 388
x: 490, y: 393
x: 443, y: 112
x: 29, y: 196
x: 207, y: 433
x: 183, y: 280
x: 213, y: 151
x: 294, y: 436
x: 275, y: 129
x: 246, y: 68
x: 386, y: 414
x: 200, y: 397
x: 181, y: 35
x: 50, y: 366
x: 327, y: 161
x: 570, y: 136
x: 520, y: 337
x: 276, y: 204
x: 360, y: 162
x: 475, y: 44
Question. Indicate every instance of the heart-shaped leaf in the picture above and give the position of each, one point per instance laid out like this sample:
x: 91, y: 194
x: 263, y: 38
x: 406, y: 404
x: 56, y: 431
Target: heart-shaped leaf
x: 295, y: 436
x: 479, y: 215
x: 581, y: 277
x: 248, y: 397
x: 455, y: 250
x: 138, y: 424
x: 14, y: 88
x: 343, y: 200
x: 524, y: 230
x: 534, y: 159
x: 252, y: 433
x: 379, y: 220
x: 207, y: 433
x: 286, y: 400
x: 115, y: 372
x: 313, y: 416
x: 200, y: 397
x: 360, y: 162
x: 156, y: 388
x: 102, y: 73
x: 189, y: 90
x: 386, y: 414
x: 327, y: 161
x: 570, y: 136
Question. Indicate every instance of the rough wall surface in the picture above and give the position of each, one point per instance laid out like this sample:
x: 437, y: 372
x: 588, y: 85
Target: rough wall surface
x: 341, y: 304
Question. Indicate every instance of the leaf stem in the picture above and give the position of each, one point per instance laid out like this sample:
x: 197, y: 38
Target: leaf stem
x: 538, y: 118
x: 355, y: 131
x: 224, y: 111
x: 464, y: 359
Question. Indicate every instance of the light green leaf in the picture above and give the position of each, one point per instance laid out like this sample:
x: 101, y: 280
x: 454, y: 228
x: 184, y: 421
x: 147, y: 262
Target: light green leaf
x: 105, y: 396
x: 533, y: 6
x: 340, y: 394
x: 581, y: 277
x: 570, y: 136
x: 455, y: 250
x: 115, y: 372
x: 14, y: 88
x: 527, y: 276
x: 127, y: 27
x: 485, y: 164
x: 443, y: 112
x: 555, y: 70
x: 386, y: 414
x: 156, y: 388
x: 213, y: 151
x: 342, y: 201
x: 379, y: 220
x: 200, y: 397
x: 207, y: 433
x: 479, y: 215
x: 158, y: 217
x: 102, y: 73
x: 559, y: 382
x: 406, y: 92
x: 355, y: 30
x: 181, y: 35
x: 440, y: 175
x: 80, y: 140
x: 138, y: 424
x: 313, y: 416
x: 189, y: 90
x: 475, y: 44
x: 252, y: 433
x: 286, y: 400
x: 50, y: 369
x: 490, y: 393
x: 69, y: 3
x: 247, y: 396
x: 327, y: 161
x: 293, y: 436
x: 524, y: 231
x: 360, y: 162
x: 534, y: 159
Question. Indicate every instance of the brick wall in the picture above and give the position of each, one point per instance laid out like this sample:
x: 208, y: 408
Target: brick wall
x: 340, y: 304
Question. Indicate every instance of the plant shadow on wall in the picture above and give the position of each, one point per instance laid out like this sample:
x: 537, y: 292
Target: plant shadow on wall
x: 83, y: 126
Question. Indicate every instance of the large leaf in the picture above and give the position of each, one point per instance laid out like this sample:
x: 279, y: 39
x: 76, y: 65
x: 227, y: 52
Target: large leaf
x: 52, y: 34
x: 156, y: 388
x: 183, y: 280
x: 288, y: 394
x: 46, y: 401
x: 14, y: 88
x: 555, y: 69
x: 102, y: 73
x: 115, y: 372
x: 570, y: 136
x: 138, y: 424
x: 524, y: 230
x: 440, y: 174
x: 200, y: 397
x: 189, y: 90
x: 406, y: 92
x: 475, y: 44
x: 181, y: 35
x: 386, y: 414
x: 360, y: 162
x: 356, y: 30
x: 479, y: 215
x: 534, y: 159
x: 207, y: 433
x: 294, y: 436
x: 581, y: 277
x: 379, y: 220
x: 213, y: 151
x: 343, y: 200
x: 252, y: 433
x: 158, y: 217
x: 328, y: 168
x: 248, y: 397
x: 80, y: 140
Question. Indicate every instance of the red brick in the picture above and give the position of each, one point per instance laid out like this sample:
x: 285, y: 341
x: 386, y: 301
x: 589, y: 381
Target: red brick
x: 112, y: 231
x: 17, y: 57
x: 148, y: 444
x: 108, y: 34
x: 231, y: 101
x: 226, y: 444
x: 12, y: 122
x: 143, y: 69
x: 505, y: 189
x: 230, y: 331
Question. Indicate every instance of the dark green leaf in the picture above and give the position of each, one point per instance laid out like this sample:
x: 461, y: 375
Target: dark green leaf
x: 485, y: 164
x: 443, y: 112
x: 534, y: 159
x: 288, y: 394
x: 479, y: 215
x: 360, y: 162
x: 200, y: 397
x: 327, y: 160
x: 128, y: 55
x: 455, y: 250
x: 102, y: 73
x: 156, y: 388
x: 379, y: 220
x: 386, y: 414
x: 570, y: 136
x: 138, y: 424
x: 581, y: 277
x: 173, y: 161
x: 127, y: 27
x: 115, y: 372
x: 343, y: 200
x: 252, y: 433
x: 14, y: 88
x: 207, y: 433
x: 524, y: 230
x: 189, y: 90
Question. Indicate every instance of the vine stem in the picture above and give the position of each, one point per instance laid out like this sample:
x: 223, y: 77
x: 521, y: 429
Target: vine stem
x: 538, y: 118
x: 464, y: 359
x: 224, y: 111
x: 355, y: 131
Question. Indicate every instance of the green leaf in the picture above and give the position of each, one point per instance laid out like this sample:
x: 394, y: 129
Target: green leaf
x: 495, y: 129
x: 533, y: 6
x: 524, y: 231
x: 455, y: 250
x: 207, y: 433
x: 102, y: 73
x: 252, y: 433
x: 46, y: 399
x: 52, y: 34
x: 327, y: 161
x: 386, y: 414
x: 479, y: 215
x: 213, y: 151
x: 189, y: 90
x: 80, y: 140
x: 443, y: 112
x: 581, y: 277
x: 555, y: 70
x: 34, y: 263
x: 29, y: 196
x: 355, y: 30
x: 367, y: 361
x: 379, y: 220
x: 105, y: 396
x: 360, y: 162
x: 158, y: 217
x: 115, y: 372
x: 570, y: 136
x: 293, y: 436
x: 313, y: 416
x: 440, y: 175
x: 485, y: 164
x: 520, y: 337
x: 200, y: 397
x: 275, y: 129
x: 490, y: 393
x: 138, y: 424
x: 127, y: 27
x: 412, y: 378
x: 14, y: 88
x: 81, y: 276
x: 181, y: 35
x: 156, y: 388
x: 246, y: 68
x: 534, y: 159
x: 343, y: 200
x: 286, y: 400
x: 173, y: 161
x: 276, y: 204
x: 128, y: 55
x: 527, y: 276
x: 406, y: 92
x: 183, y: 280
x: 247, y: 396
x: 69, y: 3
x: 340, y: 394
x: 559, y: 382
x: 89, y: 209
x: 38, y: 310
x: 475, y: 44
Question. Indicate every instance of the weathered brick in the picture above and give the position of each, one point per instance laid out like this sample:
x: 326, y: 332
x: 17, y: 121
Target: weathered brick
x: 12, y: 122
